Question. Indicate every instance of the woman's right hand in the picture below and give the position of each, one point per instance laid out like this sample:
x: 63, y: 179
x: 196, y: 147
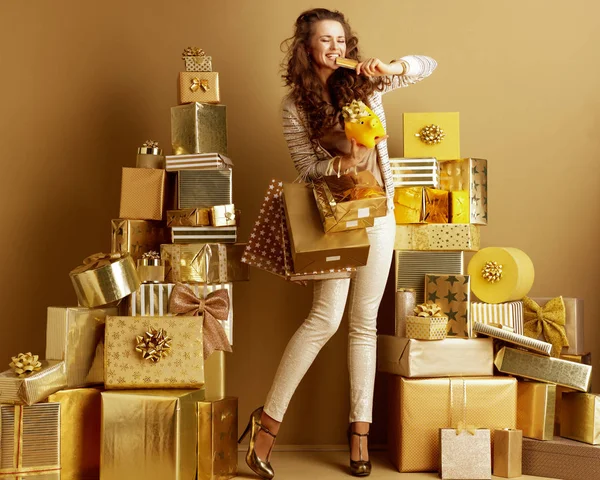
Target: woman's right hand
x: 357, y: 154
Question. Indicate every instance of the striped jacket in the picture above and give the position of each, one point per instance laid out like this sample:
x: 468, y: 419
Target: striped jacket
x: 312, y: 160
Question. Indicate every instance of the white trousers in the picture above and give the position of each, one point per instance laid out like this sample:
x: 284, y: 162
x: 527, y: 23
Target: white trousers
x: 329, y: 301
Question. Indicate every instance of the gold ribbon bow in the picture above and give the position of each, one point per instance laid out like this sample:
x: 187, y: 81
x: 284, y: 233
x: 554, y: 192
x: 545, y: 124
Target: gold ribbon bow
x: 428, y: 310
x: 463, y: 427
x: 24, y: 364
x: 98, y: 260
x: 193, y: 52
x: 215, y: 307
x: 150, y: 144
x: 549, y: 320
x: 199, y: 83
x: 154, y: 346
x: 431, y: 134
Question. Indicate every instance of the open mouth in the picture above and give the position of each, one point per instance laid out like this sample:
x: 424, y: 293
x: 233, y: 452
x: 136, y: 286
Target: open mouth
x: 332, y: 56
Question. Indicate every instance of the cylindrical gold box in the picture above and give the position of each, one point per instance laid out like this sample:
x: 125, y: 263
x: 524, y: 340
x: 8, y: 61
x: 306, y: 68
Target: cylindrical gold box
x: 151, y: 270
x: 406, y: 301
x: 150, y: 157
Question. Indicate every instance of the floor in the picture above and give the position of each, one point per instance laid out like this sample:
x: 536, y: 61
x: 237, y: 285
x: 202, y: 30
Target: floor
x: 330, y: 465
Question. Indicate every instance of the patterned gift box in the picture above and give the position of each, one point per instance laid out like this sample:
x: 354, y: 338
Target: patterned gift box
x: 448, y: 146
x: 223, y: 216
x: 199, y: 87
x: 197, y: 161
x: 467, y: 180
x: 142, y: 193
x: 136, y: 237
x: 204, y: 188
x: 415, y: 172
x: 508, y: 336
x: 453, y: 294
x: 437, y: 236
x: 465, y: 455
x: 509, y: 314
x: 536, y: 404
x: 188, y: 217
x: 196, y: 60
x: 420, y: 205
x: 199, y: 128
x: 426, y: 328
x: 508, y: 448
x: 580, y: 417
x: 35, y: 387
x: 204, y: 234
x: 459, y: 209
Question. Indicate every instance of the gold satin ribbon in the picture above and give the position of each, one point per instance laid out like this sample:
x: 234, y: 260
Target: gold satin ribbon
x: 98, y: 260
x: 549, y: 320
x: 198, y: 83
x: 463, y: 427
x: 459, y: 403
x: 215, y: 308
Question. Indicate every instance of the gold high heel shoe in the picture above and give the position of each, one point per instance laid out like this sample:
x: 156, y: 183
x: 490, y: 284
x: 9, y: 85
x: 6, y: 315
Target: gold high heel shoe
x: 261, y: 467
x: 358, y: 468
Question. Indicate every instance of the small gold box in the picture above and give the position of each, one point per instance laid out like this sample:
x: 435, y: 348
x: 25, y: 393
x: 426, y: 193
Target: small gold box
x: 199, y: 87
x: 508, y: 458
x: 188, y: 217
x: 580, y: 417
x: 223, y: 216
x: 536, y: 403
x: 420, y: 205
x: 426, y: 328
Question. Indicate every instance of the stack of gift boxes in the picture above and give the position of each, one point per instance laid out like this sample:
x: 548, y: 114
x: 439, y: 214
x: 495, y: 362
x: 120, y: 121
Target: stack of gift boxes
x: 133, y: 381
x: 477, y: 370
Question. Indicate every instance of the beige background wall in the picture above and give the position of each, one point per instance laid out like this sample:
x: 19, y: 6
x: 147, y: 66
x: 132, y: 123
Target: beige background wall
x: 84, y: 84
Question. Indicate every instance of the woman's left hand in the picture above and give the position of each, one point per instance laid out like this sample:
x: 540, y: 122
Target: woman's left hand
x: 373, y: 67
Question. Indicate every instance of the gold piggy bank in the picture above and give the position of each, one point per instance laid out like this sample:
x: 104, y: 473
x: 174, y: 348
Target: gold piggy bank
x: 362, y: 124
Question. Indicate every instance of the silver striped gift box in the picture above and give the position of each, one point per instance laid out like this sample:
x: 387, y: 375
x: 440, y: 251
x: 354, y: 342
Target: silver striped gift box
x: 414, y: 172
x: 197, y: 161
x: 204, y: 188
x: 509, y: 314
x: 204, y: 234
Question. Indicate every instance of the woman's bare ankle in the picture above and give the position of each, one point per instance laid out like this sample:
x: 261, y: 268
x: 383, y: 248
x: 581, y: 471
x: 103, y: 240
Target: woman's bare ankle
x: 270, y: 423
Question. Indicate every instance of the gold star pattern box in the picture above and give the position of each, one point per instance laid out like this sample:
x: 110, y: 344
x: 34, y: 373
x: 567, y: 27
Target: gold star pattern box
x: 137, y: 237
x: 437, y: 236
x: 466, y: 180
x: 453, y: 294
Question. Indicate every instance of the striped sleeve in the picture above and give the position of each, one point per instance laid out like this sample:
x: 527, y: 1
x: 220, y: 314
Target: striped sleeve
x: 419, y: 68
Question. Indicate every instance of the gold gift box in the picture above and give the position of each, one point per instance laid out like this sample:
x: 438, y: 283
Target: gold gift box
x: 137, y: 237
x: 204, y: 263
x: 544, y: 369
x: 199, y: 128
x: 188, y: 217
x: 34, y: 387
x: 420, y: 407
x: 80, y: 423
x: 466, y: 179
x: 426, y: 328
x: 465, y: 455
x: 415, y: 172
x: 580, y: 417
x: 452, y: 293
x: 509, y: 314
x: 30, y: 441
x: 150, y: 434
x: 150, y: 157
x: 420, y: 205
x: 459, y: 207
x: 313, y: 250
x: 76, y: 336
x: 223, y: 216
x: 124, y: 367
x: 142, y: 193
x: 210, y: 234
x: 199, y: 87
x: 508, y: 459
x: 214, y: 375
x: 535, y: 414
x: 197, y: 63
x: 204, y: 188
x: 438, y: 236
x: 217, y: 438
x: 447, y: 148
x: 573, y: 323
x: 451, y: 357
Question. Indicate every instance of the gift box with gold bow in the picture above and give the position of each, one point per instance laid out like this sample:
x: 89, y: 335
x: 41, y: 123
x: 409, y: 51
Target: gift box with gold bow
x: 536, y: 404
x: 199, y: 128
x: 508, y: 447
x: 466, y: 180
x: 420, y: 205
x: 427, y: 323
x: 196, y: 60
x: 453, y: 294
x: 437, y: 236
x: 432, y: 134
x: 47, y: 377
x: 137, y: 237
x: 223, y: 216
x: 142, y: 193
x: 465, y: 453
x: 149, y: 155
x: 199, y: 87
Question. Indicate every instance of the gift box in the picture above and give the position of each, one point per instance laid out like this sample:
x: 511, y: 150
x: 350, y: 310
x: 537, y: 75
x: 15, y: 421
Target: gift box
x: 153, y: 352
x: 150, y: 434
x: 223, y: 216
x: 465, y: 454
x: 466, y: 179
x: 150, y: 156
x: 80, y: 422
x: 136, y: 237
x: 426, y: 328
x: 197, y: 161
x: 451, y: 357
x: 437, y: 236
x: 420, y: 407
x: 415, y: 172
x: 188, y: 217
x: 432, y: 135
x: 214, y: 375
x: 544, y: 369
x: 217, y: 439
x: 150, y: 268
x: 580, y: 417
x: 142, y: 193
x: 509, y: 314
x: 313, y: 250
x: 30, y: 441
x: 508, y: 453
x: 196, y: 60
x: 75, y: 335
x: 535, y: 409
x: 204, y: 263
x: 199, y: 128
x: 500, y: 274
x: 511, y: 337
x: 406, y: 301
x: 412, y: 266
x: 420, y: 205
x: 35, y: 387
x: 458, y: 209
x: 199, y: 87
x: 204, y: 234
x: 104, y: 278
x: 203, y: 188
x: 585, y: 358
x: 452, y: 294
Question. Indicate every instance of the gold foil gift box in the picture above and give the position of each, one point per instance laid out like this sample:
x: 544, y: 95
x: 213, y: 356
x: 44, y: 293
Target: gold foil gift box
x: 223, y: 216
x: 415, y: 172
x: 420, y: 205
x: 509, y: 314
x: 580, y: 417
x: 149, y: 155
x: 75, y: 335
x: 453, y: 294
x: 30, y: 440
x: 505, y: 335
x: 142, y: 193
x: 199, y: 87
x: 451, y: 357
x: 420, y: 407
x: 150, y: 434
x: 137, y: 237
x: 197, y: 161
x: 426, y: 328
x: 437, y: 236
x: 153, y: 352
x: 204, y: 234
x: 150, y: 268
x: 465, y: 454
x: 214, y: 374
x: 466, y: 180
x: 35, y: 387
x: 80, y: 423
x: 188, y: 217
x: 217, y: 438
x: 508, y: 458
x: 199, y: 128
x: 204, y: 188
x: 535, y: 413
x: 432, y: 135
x: 312, y: 249
x: 196, y: 60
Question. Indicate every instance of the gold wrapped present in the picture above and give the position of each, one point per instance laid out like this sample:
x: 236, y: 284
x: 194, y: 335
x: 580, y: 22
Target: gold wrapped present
x: 437, y: 236
x: 420, y: 407
x: 223, y: 216
x: 217, y: 438
x: 580, y: 417
x: 466, y: 179
x: 150, y: 156
x: 406, y: 301
x: 104, y: 278
x: 199, y: 87
x: 415, y: 172
x: 153, y: 352
x: 142, y: 193
x: 508, y: 446
x: 451, y: 357
x: 313, y: 250
x: 509, y: 314
x: 150, y: 268
x: 432, y: 135
x: 204, y: 263
x: 197, y: 161
x: 35, y: 387
x: 214, y: 375
x: 420, y: 205
x: 453, y: 294
x: 426, y: 328
x: 150, y: 434
x: 75, y: 335
x: 188, y: 217
x: 30, y: 441
x: 204, y: 188
x: 501, y: 274
x: 204, y: 234
x: 137, y: 237
x: 544, y: 369
x: 80, y: 422
x: 199, y: 128
x: 502, y: 333
x: 535, y: 414
x: 196, y: 60
x: 465, y: 454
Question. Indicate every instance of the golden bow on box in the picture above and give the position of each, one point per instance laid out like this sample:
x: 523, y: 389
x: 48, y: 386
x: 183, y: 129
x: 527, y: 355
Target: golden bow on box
x: 199, y: 87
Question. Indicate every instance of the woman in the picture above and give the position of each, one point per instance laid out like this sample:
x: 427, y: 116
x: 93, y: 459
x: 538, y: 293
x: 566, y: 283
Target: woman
x: 313, y: 129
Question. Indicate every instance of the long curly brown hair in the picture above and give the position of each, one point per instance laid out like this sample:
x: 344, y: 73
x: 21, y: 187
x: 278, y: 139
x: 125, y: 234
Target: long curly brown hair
x: 306, y: 88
